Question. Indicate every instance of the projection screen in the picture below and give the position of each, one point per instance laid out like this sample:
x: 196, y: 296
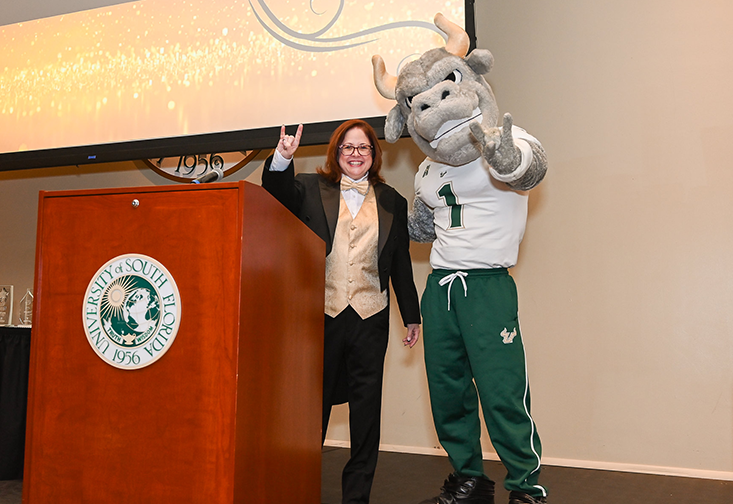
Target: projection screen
x: 85, y: 81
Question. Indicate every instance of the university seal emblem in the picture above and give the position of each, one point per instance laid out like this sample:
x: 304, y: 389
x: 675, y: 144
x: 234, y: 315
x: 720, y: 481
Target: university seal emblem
x: 131, y: 311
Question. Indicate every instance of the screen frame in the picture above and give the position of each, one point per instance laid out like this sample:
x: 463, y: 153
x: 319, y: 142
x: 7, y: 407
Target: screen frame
x: 220, y: 142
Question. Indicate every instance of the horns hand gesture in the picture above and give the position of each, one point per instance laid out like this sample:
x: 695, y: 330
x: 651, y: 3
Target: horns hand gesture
x: 288, y: 144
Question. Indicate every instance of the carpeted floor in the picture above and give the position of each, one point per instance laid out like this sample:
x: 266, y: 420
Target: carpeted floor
x: 10, y: 492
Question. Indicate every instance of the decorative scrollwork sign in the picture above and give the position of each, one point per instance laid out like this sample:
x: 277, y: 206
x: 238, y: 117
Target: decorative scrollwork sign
x: 189, y: 167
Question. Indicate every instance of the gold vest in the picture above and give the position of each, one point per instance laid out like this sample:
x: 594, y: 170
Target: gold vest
x: 352, y: 273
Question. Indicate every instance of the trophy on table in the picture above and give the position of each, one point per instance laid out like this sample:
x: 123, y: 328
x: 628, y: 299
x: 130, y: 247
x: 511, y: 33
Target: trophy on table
x: 6, y: 305
x: 25, y: 310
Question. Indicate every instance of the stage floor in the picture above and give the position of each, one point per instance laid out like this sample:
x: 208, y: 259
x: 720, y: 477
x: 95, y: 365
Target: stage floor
x: 408, y: 479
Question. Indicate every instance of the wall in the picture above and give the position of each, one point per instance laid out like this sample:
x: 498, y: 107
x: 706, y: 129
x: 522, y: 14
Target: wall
x: 624, y: 276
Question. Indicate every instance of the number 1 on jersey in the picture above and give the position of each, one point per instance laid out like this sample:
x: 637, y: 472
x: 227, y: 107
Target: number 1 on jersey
x: 456, y: 210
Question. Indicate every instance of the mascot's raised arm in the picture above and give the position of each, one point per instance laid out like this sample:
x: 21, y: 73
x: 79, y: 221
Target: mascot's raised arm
x: 471, y: 203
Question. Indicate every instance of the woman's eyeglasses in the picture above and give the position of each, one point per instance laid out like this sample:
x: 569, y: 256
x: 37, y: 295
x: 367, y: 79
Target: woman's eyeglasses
x: 363, y: 149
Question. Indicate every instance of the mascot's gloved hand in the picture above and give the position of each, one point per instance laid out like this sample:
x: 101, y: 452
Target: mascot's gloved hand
x: 420, y: 222
x: 497, y: 146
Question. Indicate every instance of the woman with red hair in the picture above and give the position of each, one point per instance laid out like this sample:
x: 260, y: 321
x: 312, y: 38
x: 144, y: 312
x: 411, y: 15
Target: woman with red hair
x: 363, y: 222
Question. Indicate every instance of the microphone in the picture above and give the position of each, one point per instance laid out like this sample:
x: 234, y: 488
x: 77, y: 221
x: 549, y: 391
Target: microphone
x: 213, y: 176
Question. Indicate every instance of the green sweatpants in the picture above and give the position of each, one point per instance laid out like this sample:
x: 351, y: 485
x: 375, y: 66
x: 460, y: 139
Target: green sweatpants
x: 472, y: 336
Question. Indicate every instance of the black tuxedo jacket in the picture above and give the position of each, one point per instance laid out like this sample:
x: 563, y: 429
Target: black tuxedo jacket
x: 315, y: 201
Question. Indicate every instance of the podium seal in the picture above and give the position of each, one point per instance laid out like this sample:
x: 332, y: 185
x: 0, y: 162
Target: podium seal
x: 132, y: 311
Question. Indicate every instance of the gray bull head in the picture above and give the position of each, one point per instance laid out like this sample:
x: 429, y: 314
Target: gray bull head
x: 439, y: 95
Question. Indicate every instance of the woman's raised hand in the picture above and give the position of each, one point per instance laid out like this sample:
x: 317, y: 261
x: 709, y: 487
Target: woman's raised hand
x: 288, y: 144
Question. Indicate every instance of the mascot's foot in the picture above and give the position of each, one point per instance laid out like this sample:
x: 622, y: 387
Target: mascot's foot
x: 465, y: 490
x: 523, y: 498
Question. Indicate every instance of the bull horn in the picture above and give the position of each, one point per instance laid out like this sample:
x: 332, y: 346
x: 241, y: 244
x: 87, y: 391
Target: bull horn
x: 457, y: 43
x: 386, y: 83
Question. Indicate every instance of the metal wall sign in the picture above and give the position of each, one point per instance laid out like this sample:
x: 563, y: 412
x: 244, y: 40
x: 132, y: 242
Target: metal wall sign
x: 189, y: 167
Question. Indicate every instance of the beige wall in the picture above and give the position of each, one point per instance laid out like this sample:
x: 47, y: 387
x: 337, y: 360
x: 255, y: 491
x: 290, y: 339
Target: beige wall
x: 625, y: 277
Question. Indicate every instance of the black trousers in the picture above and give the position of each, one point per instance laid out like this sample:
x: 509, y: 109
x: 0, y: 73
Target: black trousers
x: 353, y: 365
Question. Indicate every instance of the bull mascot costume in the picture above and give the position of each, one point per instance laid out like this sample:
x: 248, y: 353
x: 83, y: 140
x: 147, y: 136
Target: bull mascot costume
x: 471, y: 203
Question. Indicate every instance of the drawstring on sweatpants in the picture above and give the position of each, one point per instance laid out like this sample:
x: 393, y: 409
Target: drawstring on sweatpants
x: 449, y: 280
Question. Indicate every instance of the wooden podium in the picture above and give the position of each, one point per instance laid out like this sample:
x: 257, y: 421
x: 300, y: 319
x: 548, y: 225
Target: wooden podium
x: 231, y: 412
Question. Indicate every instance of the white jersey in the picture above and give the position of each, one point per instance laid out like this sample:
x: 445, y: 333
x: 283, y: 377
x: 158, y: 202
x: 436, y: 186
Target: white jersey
x: 479, y: 221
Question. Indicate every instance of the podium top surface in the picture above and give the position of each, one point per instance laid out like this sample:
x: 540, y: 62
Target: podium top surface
x: 145, y: 189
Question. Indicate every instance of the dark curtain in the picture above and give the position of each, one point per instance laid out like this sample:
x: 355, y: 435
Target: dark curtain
x: 15, y: 350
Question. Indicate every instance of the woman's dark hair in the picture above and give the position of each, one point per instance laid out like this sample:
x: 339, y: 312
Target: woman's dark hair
x: 332, y: 170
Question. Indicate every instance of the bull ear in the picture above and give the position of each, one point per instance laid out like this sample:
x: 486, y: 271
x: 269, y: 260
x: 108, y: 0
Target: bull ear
x: 394, y: 125
x: 480, y: 61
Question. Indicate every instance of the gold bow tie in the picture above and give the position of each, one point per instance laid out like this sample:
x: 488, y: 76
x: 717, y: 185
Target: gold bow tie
x: 361, y: 187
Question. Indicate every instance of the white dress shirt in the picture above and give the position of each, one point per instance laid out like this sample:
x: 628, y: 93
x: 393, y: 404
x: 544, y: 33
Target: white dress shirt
x: 352, y: 197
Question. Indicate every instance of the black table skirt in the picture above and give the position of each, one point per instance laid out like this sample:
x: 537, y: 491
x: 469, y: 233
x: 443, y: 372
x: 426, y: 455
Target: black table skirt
x: 15, y: 351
